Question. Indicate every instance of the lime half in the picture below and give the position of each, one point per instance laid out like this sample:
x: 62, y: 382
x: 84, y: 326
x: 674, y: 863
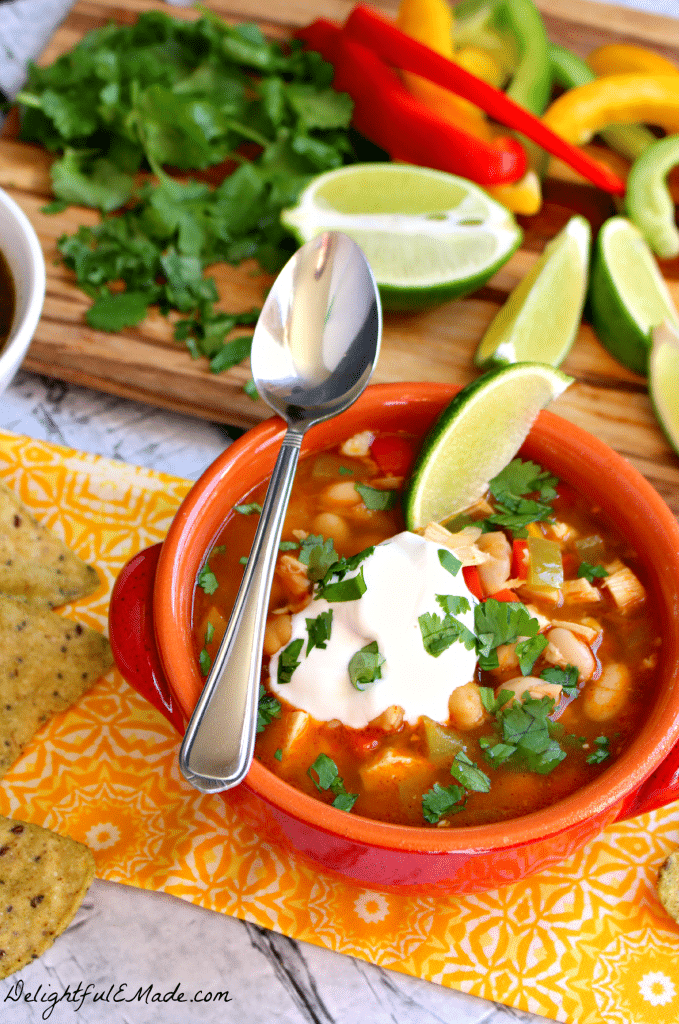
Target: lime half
x: 627, y: 293
x: 429, y: 236
x: 540, y: 319
x: 475, y: 437
x: 663, y: 380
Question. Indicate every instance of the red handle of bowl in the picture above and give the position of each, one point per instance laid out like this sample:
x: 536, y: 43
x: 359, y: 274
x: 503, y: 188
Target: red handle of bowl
x: 660, y: 788
x: 133, y: 638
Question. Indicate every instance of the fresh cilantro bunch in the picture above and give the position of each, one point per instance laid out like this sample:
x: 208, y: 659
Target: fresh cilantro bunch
x: 165, y: 93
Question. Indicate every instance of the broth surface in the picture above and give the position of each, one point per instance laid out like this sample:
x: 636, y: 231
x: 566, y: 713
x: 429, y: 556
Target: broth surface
x: 7, y: 300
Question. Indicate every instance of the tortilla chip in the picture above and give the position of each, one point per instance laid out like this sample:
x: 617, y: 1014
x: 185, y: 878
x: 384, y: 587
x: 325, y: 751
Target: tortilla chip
x: 668, y: 885
x: 48, y: 662
x: 34, y: 563
x: 43, y: 879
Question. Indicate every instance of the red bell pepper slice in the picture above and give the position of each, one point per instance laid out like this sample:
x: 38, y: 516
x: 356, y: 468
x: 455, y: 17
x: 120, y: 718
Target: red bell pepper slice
x: 393, y: 455
x: 402, y: 51
x: 473, y: 581
x: 506, y: 595
x: 520, y: 559
x: 387, y: 114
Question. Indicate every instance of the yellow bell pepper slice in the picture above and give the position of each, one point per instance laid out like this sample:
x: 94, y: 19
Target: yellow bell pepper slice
x: 524, y: 196
x: 481, y: 63
x: 431, y: 22
x: 580, y: 113
x: 624, y: 58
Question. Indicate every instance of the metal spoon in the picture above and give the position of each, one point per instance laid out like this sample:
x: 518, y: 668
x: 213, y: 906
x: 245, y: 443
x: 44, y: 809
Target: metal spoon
x: 313, y: 352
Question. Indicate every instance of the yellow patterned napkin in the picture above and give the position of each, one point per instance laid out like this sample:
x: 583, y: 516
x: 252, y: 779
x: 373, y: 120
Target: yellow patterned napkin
x: 584, y: 941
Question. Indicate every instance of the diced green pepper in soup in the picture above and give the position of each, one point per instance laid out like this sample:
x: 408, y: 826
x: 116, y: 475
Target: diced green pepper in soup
x: 480, y: 670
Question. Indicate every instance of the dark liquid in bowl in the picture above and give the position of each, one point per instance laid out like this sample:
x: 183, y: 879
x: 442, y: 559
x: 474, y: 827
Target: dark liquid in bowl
x: 7, y: 300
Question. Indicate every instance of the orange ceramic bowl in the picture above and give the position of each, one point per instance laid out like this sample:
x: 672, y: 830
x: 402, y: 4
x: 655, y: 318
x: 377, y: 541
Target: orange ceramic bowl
x: 151, y: 636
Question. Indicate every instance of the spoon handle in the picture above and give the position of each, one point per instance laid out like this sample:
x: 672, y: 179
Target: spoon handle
x: 220, y: 739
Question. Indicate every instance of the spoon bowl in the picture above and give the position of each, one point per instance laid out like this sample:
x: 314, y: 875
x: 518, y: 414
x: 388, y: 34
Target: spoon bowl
x: 314, y: 349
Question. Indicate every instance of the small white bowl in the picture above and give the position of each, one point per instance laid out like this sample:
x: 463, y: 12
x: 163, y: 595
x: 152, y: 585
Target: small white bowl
x: 20, y: 246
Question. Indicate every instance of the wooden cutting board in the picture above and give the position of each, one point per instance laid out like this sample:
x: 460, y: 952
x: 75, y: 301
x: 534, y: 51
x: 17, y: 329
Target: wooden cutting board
x: 146, y: 364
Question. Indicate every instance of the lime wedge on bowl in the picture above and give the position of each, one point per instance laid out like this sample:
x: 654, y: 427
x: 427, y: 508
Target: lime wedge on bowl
x: 627, y: 293
x: 429, y: 236
x: 540, y: 319
x: 663, y: 380
x: 475, y: 437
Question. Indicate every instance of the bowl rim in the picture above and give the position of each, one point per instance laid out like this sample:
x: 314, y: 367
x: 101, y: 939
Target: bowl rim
x: 626, y: 493
x: 23, y: 325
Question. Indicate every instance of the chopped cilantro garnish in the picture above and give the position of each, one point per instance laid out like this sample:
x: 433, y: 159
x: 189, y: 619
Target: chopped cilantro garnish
x: 346, y: 471
x: 591, y: 572
x: 500, y: 622
x: 528, y: 651
x: 520, y: 478
x: 468, y: 774
x: 204, y: 661
x: 207, y: 580
x: 327, y: 778
x: 319, y: 630
x: 288, y: 545
x: 250, y: 389
x: 209, y: 633
x: 278, y: 754
x: 438, y: 634
x: 525, y: 733
x: 566, y: 677
x: 288, y: 661
x: 318, y: 554
x: 602, y: 751
x: 449, y: 561
x: 365, y: 666
x: 442, y: 800
x: 374, y: 498
x: 268, y: 708
x: 344, y: 590
x: 515, y: 514
x: 252, y: 508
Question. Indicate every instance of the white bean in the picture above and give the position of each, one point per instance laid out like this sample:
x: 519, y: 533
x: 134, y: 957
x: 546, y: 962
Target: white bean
x: 536, y: 687
x: 465, y: 707
x: 495, y: 572
x: 564, y: 648
x: 329, y: 524
x: 342, y: 493
x: 277, y: 633
x: 604, y: 697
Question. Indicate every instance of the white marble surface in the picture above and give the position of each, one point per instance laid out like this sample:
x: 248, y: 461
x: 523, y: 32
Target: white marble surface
x: 127, y: 937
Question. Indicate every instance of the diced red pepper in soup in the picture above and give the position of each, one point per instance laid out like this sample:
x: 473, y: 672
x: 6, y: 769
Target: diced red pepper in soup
x: 495, y: 706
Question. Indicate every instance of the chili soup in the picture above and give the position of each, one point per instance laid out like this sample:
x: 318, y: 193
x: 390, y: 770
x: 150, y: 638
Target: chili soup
x: 476, y: 673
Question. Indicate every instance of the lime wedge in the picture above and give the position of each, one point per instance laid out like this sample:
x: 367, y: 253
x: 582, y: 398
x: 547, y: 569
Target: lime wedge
x: 429, y: 236
x: 540, y: 319
x: 475, y: 437
x: 663, y: 380
x: 627, y: 293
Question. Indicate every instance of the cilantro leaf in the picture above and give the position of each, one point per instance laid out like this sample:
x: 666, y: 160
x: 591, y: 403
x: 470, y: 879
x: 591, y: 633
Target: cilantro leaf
x: 318, y: 554
x: 376, y: 499
x: 268, y: 708
x: 204, y: 661
x: 442, y: 800
x: 566, y: 677
x: 449, y: 561
x: 344, y: 590
x: 207, y: 580
x: 319, y: 630
x: 249, y: 509
x: 365, y: 666
x: 602, y: 751
x: 591, y: 572
x: 114, y: 312
x: 438, y: 634
x: 288, y: 661
x: 500, y: 622
x: 514, y: 513
x: 528, y: 651
x: 519, y: 478
x: 469, y: 774
x: 324, y: 775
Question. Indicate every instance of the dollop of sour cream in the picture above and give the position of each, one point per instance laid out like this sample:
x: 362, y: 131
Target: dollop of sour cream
x: 403, y: 576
